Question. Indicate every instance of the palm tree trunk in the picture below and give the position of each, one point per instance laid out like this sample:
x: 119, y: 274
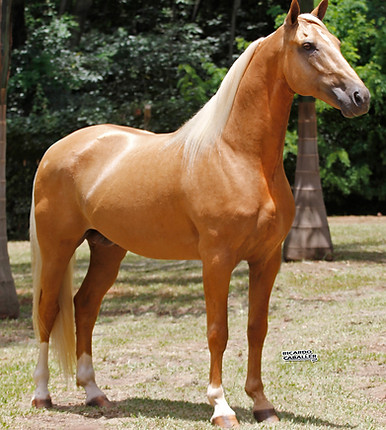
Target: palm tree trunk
x: 9, y: 305
x: 309, y: 238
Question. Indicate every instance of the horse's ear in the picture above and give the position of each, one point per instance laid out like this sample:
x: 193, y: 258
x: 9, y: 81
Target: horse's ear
x: 320, y: 10
x: 292, y: 17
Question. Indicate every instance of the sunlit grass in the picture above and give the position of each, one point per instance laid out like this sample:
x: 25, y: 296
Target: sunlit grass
x: 151, y: 356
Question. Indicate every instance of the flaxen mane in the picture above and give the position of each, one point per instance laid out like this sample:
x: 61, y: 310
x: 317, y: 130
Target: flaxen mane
x: 201, y: 132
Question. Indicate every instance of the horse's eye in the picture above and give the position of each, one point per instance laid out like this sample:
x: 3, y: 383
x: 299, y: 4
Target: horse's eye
x: 308, y: 46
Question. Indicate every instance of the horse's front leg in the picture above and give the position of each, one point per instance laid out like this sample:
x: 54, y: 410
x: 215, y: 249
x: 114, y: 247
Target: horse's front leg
x: 261, y: 279
x: 216, y: 277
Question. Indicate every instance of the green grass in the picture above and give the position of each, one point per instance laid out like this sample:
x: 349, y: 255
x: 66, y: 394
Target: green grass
x: 151, y: 355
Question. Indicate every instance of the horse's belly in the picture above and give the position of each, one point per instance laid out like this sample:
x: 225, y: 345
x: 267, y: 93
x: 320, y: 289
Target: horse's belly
x: 169, y: 246
x: 160, y: 250
x: 153, y: 232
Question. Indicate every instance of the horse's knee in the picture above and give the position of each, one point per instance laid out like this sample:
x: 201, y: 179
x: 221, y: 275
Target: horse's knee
x: 217, y: 337
x: 257, y: 330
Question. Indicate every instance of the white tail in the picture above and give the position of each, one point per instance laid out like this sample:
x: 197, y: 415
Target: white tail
x: 63, y: 332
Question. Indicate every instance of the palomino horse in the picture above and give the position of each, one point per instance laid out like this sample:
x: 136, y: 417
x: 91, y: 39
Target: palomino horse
x: 214, y: 190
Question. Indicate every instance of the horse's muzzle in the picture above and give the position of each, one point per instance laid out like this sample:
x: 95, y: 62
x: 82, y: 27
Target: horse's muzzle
x: 361, y: 99
x: 353, y: 101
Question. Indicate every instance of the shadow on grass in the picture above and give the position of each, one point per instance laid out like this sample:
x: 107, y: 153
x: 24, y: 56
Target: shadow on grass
x: 143, y: 272
x: 145, y: 286
x: 144, y: 407
x: 311, y: 420
x: 181, y: 410
x: 177, y: 306
x: 353, y: 252
x: 22, y: 268
x: 172, y: 288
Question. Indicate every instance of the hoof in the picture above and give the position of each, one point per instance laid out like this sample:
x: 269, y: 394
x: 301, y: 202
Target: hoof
x: 227, y: 422
x: 100, y: 402
x: 268, y: 415
x: 42, y: 403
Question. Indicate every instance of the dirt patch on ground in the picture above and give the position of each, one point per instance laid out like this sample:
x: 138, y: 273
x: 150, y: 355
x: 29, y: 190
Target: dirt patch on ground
x: 370, y: 373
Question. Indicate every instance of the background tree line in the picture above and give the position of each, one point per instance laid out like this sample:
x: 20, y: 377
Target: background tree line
x: 81, y: 62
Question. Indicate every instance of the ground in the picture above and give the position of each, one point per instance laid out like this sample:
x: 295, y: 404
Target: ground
x: 151, y: 355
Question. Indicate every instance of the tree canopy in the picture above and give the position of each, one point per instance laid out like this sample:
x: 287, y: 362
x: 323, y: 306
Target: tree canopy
x: 82, y: 62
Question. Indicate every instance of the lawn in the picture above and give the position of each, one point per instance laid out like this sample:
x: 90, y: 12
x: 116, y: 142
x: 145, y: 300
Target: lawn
x: 151, y: 356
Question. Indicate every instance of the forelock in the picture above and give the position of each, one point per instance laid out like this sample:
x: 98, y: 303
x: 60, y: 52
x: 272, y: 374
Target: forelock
x: 308, y: 17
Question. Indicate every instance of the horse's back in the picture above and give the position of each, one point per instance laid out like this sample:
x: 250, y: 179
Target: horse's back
x: 78, y: 161
x: 88, y: 154
x: 105, y: 140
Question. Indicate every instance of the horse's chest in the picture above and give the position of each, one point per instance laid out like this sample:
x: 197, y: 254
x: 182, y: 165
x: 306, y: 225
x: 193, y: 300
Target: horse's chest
x: 250, y: 215
x: 268, y: 226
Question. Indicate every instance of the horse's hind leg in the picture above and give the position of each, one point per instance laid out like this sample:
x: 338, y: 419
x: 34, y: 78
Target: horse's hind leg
x: 104, y: 266
x: 54, y: 264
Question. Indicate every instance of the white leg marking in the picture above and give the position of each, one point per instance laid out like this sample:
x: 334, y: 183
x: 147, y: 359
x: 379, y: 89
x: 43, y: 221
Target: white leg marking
x: 41, y: 374
x: 85, y: 377
x: 217, y: 399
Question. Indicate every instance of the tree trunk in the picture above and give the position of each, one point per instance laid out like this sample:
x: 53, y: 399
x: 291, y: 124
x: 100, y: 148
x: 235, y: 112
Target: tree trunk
x: 80, y: 11
x: 236, y: 6
x: 65, y: 6
x: 309, y: 238
x: 19, y: 30
x: 9, y: 305
x: 195, y: 10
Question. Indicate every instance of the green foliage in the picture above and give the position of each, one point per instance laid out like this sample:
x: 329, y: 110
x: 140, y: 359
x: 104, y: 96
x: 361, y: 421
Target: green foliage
x: 353, y: 152
x: 198, y: 90
x: 164, y: 55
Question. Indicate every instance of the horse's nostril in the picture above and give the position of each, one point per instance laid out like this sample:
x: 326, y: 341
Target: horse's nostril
x: 358, y: 100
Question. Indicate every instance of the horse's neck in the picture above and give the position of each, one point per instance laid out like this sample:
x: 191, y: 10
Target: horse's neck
x: 259, y: 116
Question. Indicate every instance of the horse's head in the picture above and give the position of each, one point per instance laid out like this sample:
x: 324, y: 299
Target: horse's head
x: 314, y: 65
